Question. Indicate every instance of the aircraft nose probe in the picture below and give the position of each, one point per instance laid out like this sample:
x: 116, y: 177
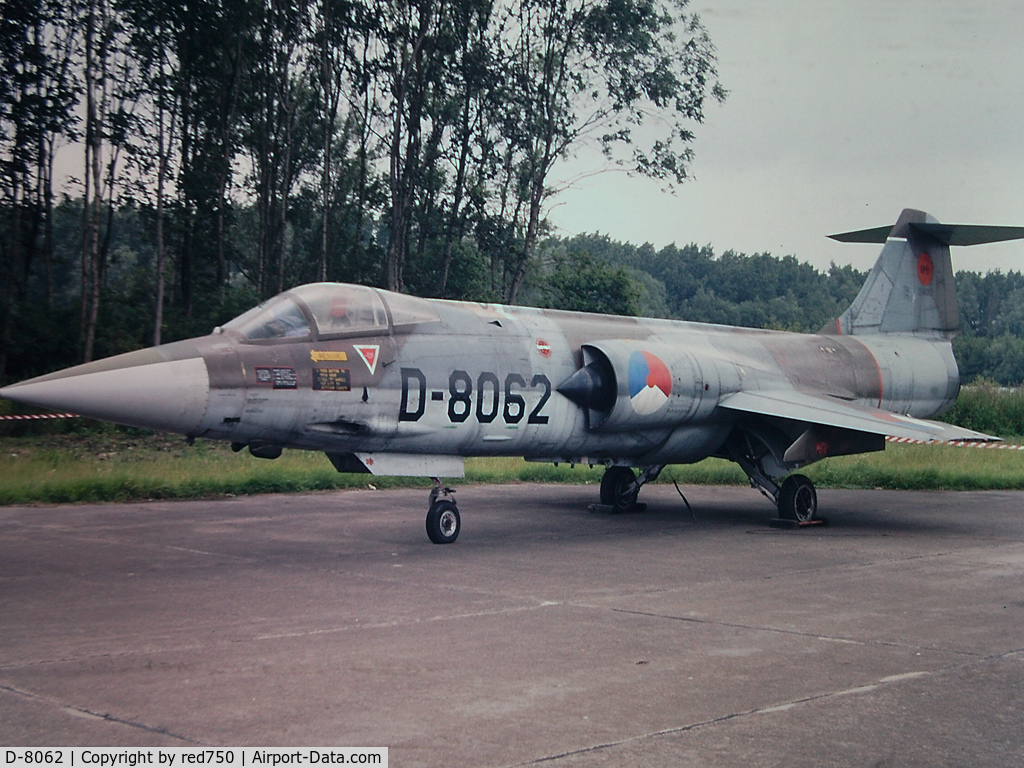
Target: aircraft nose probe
x: 132, y: 389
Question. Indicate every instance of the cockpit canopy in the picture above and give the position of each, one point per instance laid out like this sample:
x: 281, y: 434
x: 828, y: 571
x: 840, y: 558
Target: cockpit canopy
x: 329, y: 310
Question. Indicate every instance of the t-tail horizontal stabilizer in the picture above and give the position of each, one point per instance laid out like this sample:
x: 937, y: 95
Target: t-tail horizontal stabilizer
x: 950, y: 234
x: 910, y: 289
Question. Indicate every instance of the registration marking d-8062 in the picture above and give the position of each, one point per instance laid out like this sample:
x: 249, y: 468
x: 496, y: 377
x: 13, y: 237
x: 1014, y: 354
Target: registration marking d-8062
x: 485, y: 398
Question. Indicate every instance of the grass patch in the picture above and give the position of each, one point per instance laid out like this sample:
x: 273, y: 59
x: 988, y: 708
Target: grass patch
x: 117, y: 466
x: 68, y: 468
x: 924, y: 467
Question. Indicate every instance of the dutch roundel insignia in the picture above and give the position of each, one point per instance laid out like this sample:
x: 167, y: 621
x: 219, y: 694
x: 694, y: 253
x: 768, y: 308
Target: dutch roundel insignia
x: 650, y: 383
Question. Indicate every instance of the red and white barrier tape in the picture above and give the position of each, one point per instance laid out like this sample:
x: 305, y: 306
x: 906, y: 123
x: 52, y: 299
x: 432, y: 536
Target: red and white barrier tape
x: 957, y: 443
x: 34, y: 416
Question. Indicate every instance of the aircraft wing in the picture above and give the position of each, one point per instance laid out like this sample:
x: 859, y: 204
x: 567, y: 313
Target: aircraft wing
x: 826, y: 411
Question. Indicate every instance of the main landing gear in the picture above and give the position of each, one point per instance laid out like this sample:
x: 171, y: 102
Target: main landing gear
x: 620, y: 488
x: 760, y: 453
x: 795, y: 498
x: 443, y: 519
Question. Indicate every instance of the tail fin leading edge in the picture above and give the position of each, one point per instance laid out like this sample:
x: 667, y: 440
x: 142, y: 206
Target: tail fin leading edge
x: 910, y: 289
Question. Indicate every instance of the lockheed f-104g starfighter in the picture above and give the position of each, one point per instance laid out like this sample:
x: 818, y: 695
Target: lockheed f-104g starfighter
x: 391, y: 384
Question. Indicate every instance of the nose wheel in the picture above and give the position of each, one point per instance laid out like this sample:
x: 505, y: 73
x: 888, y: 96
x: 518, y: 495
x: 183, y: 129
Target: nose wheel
x: 443, y: 519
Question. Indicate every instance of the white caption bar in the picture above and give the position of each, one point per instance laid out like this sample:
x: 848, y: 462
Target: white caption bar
x: 183, y: 757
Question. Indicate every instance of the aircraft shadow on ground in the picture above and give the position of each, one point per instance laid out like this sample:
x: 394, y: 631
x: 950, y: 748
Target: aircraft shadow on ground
x: 869, y: 513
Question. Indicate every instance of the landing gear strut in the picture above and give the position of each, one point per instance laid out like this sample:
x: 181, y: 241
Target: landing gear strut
x: 620, y: 487
x: 443, y: 519
x: 760, y: 454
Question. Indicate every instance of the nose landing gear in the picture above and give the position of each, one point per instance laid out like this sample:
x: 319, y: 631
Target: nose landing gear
x: 443, y: 519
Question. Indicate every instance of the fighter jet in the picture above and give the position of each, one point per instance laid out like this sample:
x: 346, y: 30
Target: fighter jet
x: 390, y: 384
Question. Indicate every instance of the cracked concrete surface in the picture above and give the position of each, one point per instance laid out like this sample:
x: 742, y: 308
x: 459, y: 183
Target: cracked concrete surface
x: 892, y: 637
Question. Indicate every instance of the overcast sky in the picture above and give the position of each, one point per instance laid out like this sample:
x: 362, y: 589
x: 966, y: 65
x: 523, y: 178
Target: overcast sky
x: 840, y: 114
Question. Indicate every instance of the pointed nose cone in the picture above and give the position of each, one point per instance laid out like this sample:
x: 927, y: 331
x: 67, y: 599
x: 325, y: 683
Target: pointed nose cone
x: 139, y: 389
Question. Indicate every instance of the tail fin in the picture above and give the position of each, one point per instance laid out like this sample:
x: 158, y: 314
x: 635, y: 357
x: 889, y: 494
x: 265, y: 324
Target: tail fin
x: 910, y: 289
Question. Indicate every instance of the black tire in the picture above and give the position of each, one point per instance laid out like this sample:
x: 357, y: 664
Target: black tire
x: 615, y: 488
x: 443, y: 522
x: 797, y: 499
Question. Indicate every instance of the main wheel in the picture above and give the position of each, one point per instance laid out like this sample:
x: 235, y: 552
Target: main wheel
x: 798, y: 499
x: 443, y: 522
x: 617, y: 488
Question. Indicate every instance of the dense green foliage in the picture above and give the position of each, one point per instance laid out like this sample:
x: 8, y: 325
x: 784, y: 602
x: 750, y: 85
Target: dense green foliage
x: 991, y: 346
x: 692, y: 283
x: 989, y: 408
x: 588, y: 273
x: 230, y: 150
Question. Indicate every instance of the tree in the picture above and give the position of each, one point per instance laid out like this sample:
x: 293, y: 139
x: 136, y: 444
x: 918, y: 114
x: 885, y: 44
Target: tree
x: 599, y: 69
x: 154, y: 28
x: 406, y: 143
x: 410, y: 68
x: 465, y: 83
x: 37, y: 93
x: 112, y: 92
x: 579, y: 282
x: 331, y: 25
x: 277, y: 130
x: 213, y: 49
